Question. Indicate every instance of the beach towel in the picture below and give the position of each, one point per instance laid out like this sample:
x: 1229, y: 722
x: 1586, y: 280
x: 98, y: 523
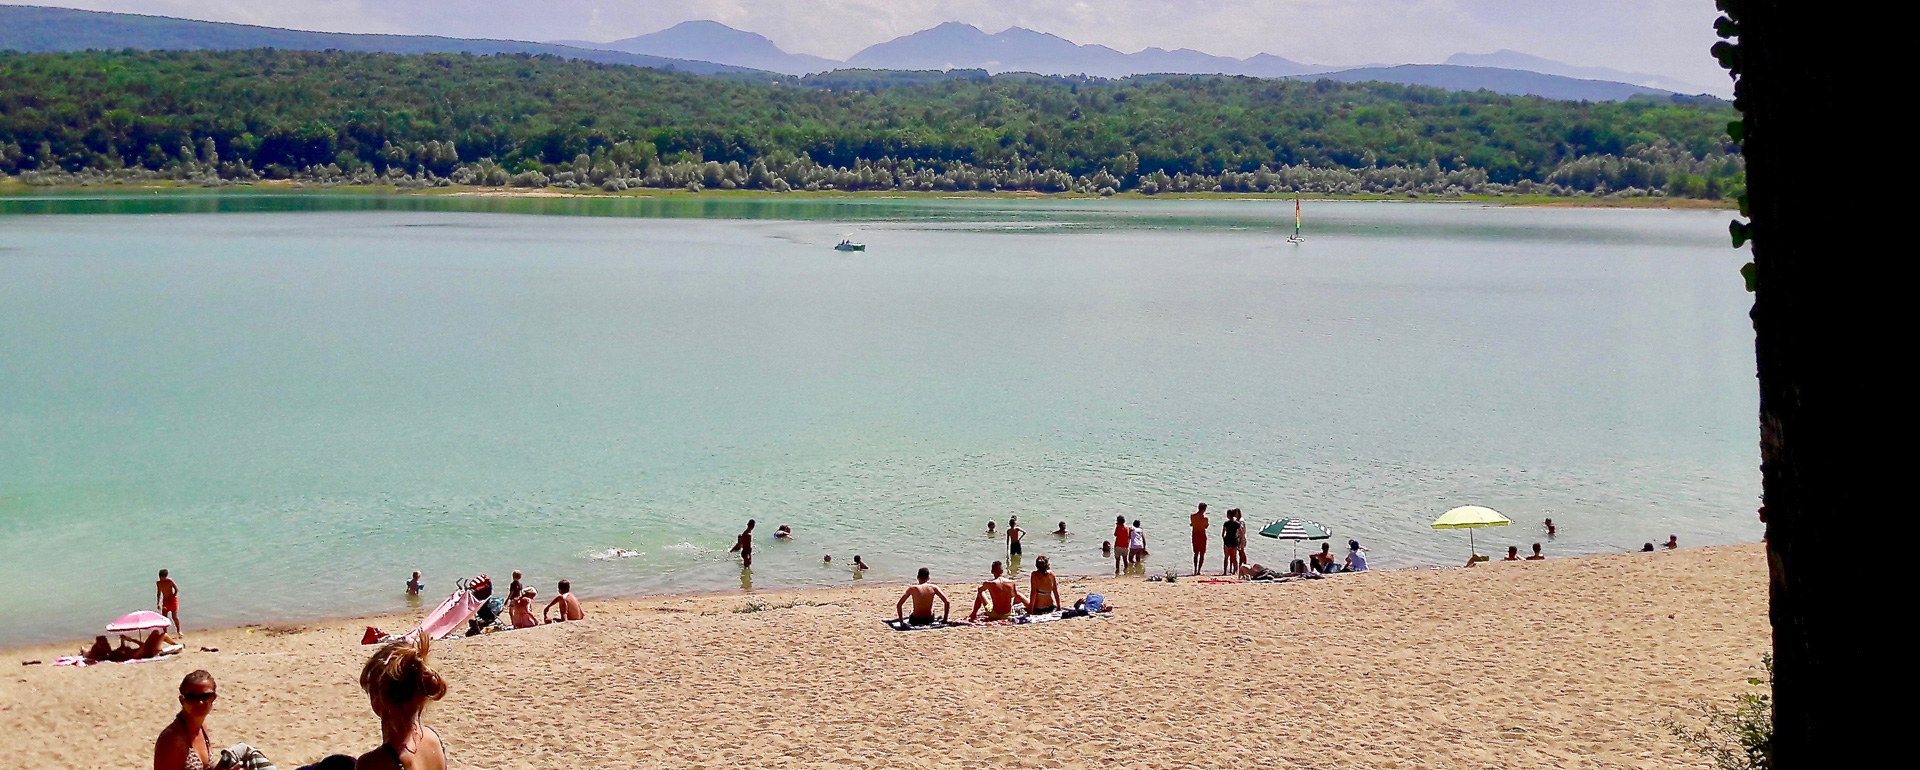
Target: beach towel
x: 901, y: 625
x: 1018, y: 620
x: 243, y: 757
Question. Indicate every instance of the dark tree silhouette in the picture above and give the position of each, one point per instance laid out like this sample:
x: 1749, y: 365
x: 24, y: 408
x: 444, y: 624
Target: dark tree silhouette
x: 1824, y: 287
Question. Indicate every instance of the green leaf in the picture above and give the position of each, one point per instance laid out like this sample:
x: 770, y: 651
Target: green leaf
x: 1728, y: 54
x: 1742, y: 232
x: 1738, y: 130
x: 1743, y: 206
x: 1725, y: 27
x: 1752, y: 274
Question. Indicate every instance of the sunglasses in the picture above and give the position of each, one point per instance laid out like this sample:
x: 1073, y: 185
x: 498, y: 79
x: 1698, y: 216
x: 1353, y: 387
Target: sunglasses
x: 199, y: 697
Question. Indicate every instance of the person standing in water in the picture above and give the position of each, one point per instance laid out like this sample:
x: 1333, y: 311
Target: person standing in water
x: 399, y: 683
x: 1199, y: 522
x: 166, y: 597
x: 1137, y: 544
x: 1122, y: 536
x: 743, y: 545
x: 1014, y: 533
x: 1231, y: 533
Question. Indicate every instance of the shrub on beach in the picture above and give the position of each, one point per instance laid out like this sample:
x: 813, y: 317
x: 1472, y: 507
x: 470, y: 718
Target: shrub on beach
x: 1740, y: 738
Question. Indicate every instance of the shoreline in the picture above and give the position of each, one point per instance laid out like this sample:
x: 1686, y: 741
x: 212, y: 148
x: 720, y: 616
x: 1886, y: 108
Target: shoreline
x: 401, y: 621
x: 1570, y: 662
x: 13, y: 189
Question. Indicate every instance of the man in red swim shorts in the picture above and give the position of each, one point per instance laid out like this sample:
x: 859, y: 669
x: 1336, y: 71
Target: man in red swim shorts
x: 1199, y: 520
x: 167, y: 595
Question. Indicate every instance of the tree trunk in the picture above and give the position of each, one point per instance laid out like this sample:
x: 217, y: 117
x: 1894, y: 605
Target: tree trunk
x: 1825, y: 283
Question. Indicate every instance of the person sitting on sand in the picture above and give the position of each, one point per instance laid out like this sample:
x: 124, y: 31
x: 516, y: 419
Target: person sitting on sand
x: 414, y: 586
x: 520, y: 610
x: 922, y: 593
x: 1323, y: 561
x: 100, y: 651
x: 1475, y: 559
x: 1513, y: 553
x: 569, y: 606
x: 1356, y: 557
x: 1062, y: 530
x: 399, y: 683
x: 184, y: 744
x: 1536, y: 553
x: 1043, y: 589
x: 1673, y: 542
x: 1002, y: 593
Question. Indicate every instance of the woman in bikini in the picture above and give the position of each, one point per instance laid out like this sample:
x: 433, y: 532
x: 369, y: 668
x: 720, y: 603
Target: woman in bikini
x: 184, y: 744
x: 1044, y: 590
x: 399, y: 683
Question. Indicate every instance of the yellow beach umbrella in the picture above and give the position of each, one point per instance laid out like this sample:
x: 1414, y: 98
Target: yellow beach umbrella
x: 1470, y: 518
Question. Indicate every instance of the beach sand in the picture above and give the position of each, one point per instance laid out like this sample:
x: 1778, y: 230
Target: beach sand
x: 1566, y: 663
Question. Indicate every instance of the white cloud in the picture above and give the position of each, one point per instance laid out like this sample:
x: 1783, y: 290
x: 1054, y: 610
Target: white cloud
x: 1664, y: 37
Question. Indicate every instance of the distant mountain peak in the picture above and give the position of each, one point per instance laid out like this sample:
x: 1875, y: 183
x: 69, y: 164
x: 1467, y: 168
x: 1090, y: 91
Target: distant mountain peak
x: 712, y: 41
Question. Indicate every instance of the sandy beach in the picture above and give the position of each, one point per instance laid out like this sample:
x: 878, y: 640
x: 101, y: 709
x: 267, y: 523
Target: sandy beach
x: 1566, y: 663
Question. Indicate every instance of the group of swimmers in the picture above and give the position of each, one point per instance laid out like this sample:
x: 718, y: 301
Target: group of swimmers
x: 399, y: 682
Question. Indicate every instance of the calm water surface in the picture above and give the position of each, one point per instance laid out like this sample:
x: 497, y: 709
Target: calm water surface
x: 292, y: 401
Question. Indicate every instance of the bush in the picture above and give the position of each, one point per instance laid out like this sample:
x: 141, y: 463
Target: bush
x: 1740, y: 739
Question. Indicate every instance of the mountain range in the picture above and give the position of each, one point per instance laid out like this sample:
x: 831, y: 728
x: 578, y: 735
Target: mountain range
x: 712, y: 48
x: 32, y: 29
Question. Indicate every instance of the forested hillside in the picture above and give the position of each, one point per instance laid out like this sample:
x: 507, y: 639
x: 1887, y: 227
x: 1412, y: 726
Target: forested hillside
x: 219, y: 117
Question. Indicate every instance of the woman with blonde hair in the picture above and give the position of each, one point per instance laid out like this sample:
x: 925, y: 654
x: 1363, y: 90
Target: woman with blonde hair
x: 399, y: 683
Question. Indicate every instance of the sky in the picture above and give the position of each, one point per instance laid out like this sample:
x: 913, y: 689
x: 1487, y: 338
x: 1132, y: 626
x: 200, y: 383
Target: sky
x: 1662, y: 37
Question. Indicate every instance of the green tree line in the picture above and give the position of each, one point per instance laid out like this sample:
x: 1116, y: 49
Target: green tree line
x: 224, y: 116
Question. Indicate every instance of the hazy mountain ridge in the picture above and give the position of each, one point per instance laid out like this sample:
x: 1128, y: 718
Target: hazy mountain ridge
x: 35, y: 29
x: 712, y: 48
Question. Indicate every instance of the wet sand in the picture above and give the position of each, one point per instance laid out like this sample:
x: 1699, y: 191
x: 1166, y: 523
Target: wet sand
x: 1566, y: 663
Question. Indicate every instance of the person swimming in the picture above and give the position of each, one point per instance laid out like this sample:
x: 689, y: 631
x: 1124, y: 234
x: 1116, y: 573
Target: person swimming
x: 858, y: 564
x: 415, y: 585
x: 1062, y: 531
x: 783, y: 533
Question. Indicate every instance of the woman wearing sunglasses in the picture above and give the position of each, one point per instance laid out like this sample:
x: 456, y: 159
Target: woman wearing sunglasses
x: 184, y: 744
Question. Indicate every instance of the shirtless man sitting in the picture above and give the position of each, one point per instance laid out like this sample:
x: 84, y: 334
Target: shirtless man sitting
x: 922, y: 593
x: 1003, y: 594
x: 569, y: 605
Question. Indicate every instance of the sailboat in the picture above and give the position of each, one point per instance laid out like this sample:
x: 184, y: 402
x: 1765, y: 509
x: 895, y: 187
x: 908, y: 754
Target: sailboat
x: 1295, y: 238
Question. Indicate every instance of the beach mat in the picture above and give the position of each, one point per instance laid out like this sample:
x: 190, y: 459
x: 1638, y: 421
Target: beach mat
x: 1023, y: 620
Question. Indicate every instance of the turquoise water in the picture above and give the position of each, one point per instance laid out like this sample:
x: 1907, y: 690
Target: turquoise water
x: 292, y: 401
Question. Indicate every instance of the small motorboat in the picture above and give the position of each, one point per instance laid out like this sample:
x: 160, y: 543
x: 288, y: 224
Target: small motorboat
x: 847, y: 244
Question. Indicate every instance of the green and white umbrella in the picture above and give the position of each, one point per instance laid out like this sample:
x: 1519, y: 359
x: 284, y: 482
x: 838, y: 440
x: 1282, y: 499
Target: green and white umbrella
x: 1296, y: 530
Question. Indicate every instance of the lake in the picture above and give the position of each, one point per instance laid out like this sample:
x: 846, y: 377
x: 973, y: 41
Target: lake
x: 291, y: 401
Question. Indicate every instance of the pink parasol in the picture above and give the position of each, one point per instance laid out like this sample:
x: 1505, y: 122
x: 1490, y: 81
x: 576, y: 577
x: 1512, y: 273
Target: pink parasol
x: 144, y: 620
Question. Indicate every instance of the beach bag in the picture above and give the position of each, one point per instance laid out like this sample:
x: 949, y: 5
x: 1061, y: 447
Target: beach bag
x: 244, y: 757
